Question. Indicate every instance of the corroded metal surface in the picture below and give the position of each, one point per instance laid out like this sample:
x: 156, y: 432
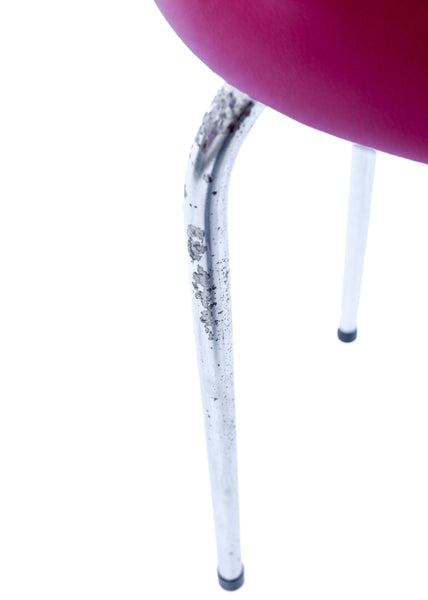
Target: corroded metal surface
x: 217, y: 144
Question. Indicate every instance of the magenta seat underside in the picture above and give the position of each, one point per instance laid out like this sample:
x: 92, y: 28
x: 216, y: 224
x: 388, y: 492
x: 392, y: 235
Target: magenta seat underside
x: 357, y: 69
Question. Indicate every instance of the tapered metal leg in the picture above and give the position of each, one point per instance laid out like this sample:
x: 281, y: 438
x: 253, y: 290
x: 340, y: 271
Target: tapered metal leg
x: 217, y: 143
x: 362, y: 176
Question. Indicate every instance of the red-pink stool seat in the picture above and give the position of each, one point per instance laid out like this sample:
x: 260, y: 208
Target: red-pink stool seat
x: 357, y: 69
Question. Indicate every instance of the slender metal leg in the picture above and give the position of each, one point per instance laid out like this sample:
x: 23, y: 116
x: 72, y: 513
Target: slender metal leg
x: 362, y: 175
x: 217, y: 143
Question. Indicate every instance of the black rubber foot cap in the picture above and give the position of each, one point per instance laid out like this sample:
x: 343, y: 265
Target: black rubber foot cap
x: 231, y: 584
x: 346, y: 337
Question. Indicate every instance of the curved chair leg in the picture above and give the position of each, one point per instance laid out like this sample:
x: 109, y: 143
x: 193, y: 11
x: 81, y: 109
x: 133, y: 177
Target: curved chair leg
x: 362, y: 175
x: 213, y: 153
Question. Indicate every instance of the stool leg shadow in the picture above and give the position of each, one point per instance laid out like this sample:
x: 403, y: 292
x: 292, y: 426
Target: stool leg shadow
x: 363, y: 162
x: 217, y: 143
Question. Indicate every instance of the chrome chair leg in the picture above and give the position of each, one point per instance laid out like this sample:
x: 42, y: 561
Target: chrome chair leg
x: 362, y: 175
x: 213, y: 153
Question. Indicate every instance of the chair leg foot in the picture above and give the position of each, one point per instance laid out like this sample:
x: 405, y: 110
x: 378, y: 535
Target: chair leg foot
x: 347, y: 337
x: 230, y: 585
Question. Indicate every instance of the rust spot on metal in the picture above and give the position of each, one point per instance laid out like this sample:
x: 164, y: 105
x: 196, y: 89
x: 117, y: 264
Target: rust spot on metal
x: 205, y: 293
x: 225, y: 115
x: 195, y: 245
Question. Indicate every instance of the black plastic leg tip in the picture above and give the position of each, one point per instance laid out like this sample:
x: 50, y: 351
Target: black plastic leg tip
x: 231, y: 585
x: 347, y: 337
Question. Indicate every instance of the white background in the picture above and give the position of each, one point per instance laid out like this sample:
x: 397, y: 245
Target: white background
x: 104, y: 489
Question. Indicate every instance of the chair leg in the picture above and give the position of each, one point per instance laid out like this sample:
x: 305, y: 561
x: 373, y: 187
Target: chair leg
x: 213, y: 153
x: 362, y: 175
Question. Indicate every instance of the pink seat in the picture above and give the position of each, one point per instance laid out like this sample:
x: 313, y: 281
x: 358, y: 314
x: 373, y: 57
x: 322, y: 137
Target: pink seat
x: 357, y: 69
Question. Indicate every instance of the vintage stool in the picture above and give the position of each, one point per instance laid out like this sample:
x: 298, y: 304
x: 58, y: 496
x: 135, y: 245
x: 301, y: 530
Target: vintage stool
x: 357, y: 69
